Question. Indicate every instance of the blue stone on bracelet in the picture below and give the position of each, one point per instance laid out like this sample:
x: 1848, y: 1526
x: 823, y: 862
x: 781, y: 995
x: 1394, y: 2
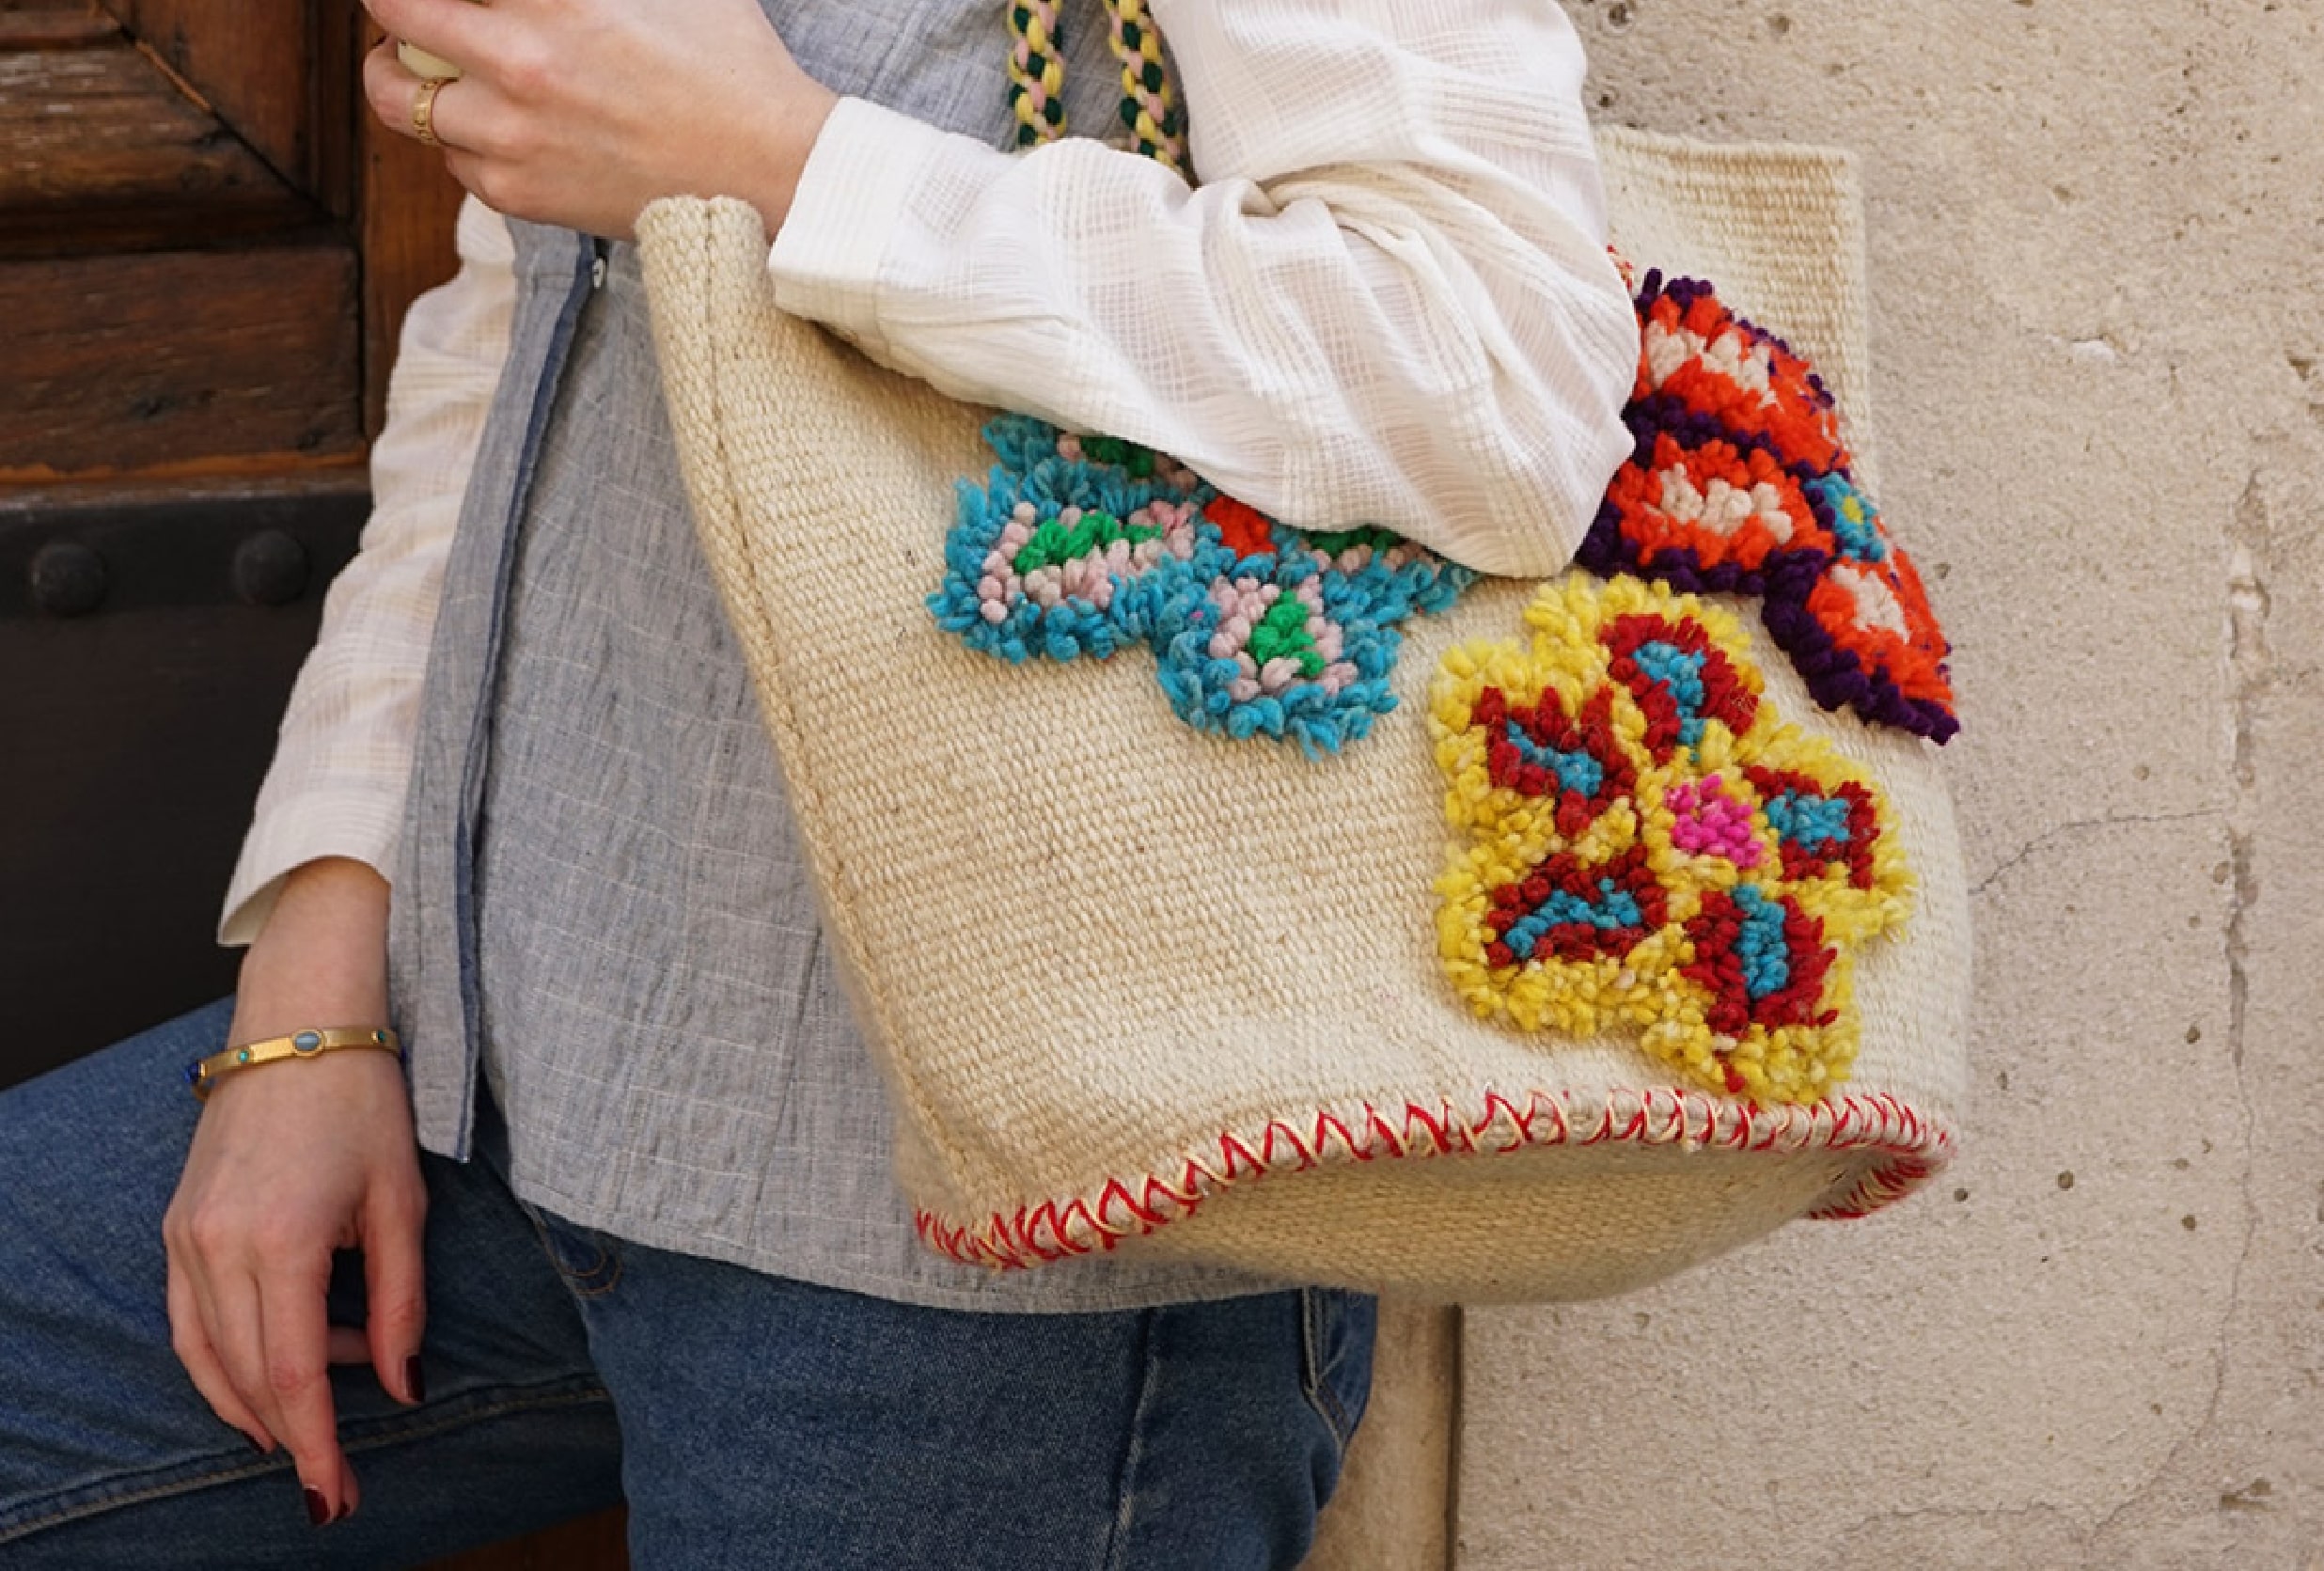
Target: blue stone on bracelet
x: 306, y: 1042
x: 192, y: 1073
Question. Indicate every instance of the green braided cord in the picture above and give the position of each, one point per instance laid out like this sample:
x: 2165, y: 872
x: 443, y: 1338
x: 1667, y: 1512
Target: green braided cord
x: 1036, y: 71
x: 1149, y: 100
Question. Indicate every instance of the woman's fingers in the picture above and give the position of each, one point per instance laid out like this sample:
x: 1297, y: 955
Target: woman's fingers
x: 580, y: 112
x: 191, y: 1342
x: 229, y: 1310
x: 455, y: 30
x: 295, y: 1359
x: 394, y: 94
x: 463, y: 115
x: 393, y: 1221
x: 350, y: 1492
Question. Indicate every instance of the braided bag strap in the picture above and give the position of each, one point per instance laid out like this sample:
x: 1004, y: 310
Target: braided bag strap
x: 1150, y: 108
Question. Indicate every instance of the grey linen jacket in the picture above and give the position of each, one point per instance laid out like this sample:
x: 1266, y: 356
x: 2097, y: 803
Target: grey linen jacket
x: 600, y: 905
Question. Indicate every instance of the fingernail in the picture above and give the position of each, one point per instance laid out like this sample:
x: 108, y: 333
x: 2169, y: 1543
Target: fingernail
x: 346, y: 1509
x: 415, y: 1381
x: 318, y: 1509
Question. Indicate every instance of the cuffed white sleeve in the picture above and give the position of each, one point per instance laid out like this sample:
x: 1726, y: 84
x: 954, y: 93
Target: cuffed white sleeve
x: 1388, y: 300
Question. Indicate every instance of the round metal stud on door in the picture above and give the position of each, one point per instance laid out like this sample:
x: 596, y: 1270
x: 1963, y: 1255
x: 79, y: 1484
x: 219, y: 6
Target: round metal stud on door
x: 269, y: 569
x: 68, y: 578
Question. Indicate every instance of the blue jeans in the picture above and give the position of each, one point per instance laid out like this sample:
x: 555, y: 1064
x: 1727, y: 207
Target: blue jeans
x: 748, y: 1421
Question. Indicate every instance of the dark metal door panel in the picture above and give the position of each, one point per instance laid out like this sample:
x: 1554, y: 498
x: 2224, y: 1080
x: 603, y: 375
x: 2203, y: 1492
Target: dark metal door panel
x: 147, y: 649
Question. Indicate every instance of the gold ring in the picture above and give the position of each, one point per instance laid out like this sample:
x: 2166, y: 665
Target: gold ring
x: 423, y: 112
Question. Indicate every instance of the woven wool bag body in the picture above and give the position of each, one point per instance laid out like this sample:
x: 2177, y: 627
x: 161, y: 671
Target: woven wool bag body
x: 1133, y: 985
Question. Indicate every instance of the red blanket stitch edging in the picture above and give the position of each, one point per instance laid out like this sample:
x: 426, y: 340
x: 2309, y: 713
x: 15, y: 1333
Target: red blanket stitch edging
x: 1917, y: 1148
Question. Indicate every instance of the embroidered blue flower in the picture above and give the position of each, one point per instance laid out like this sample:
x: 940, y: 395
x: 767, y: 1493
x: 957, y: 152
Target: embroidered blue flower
x: 1086, y: 545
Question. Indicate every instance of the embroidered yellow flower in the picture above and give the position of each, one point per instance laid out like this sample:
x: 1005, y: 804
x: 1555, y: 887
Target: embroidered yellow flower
x: 1646, y: 846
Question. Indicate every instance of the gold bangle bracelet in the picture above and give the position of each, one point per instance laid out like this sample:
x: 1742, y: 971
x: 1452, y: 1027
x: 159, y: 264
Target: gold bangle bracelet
x: 202, y: 1074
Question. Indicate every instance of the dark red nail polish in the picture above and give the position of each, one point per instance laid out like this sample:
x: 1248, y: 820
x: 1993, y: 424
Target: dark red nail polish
x: 346, y: 1509
x: 415, y: 1381
x: 318, y: 1509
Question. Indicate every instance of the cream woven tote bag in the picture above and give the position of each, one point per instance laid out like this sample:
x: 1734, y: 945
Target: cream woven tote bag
x: 1128, y: 984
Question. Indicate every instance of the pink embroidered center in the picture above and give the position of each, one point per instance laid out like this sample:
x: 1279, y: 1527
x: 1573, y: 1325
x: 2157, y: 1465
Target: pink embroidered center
x: 1706, y: 822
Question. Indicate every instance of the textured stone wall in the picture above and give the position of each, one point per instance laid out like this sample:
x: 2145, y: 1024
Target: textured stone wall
x: 2097, y: 255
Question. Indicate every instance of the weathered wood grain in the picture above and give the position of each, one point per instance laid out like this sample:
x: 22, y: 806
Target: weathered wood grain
x: 271, y: 69
x: 113, y: 365
x: 52, y: 23
x: 99, y: 151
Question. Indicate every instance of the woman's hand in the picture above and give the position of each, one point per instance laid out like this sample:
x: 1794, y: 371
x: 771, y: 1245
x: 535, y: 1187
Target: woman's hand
x: 580, y: 112
x: 291, y: 1162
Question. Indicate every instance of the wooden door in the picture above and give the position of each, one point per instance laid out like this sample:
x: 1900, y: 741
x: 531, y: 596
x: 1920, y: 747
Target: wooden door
x: 205, y: 252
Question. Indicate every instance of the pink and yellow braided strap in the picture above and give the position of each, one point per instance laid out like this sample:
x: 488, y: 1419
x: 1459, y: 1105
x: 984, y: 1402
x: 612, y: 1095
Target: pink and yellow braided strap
x: 1036, y: 71
x: 1149, y: 97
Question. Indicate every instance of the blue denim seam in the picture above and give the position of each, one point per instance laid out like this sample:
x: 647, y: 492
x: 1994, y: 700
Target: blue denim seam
x: 1134, y: 1446
x: 1314, y: 1375
x: 93, y: 1499
x: 578, y: 1282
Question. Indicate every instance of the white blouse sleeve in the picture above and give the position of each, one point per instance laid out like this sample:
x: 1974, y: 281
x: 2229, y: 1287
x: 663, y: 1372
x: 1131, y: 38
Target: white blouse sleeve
x: 1388, y: 301
x: 335, y: 786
